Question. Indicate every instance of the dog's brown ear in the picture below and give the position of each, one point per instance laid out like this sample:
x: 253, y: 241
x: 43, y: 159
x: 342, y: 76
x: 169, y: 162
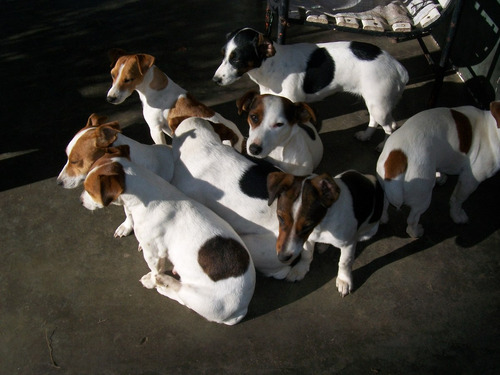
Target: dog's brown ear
x: 114, y: 54
x: 95, y: 120
x: 495, y: 111
x: 305, y: 113
x: 144, y: 62
x: 327, y: 189
x: 244, y: 103
x: 106, y: 135
x: 277, y: 183
x: 107, y: 183
x: 265, y: 47
x: 122, y: 151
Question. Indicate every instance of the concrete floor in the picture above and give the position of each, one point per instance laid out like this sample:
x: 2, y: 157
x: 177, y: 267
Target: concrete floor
x: 70, y: 297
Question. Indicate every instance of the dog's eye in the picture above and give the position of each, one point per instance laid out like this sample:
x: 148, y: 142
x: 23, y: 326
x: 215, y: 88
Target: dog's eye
x: 254, y: 118
x: 281, y: 220
x: 74, y: 162
x: 113, y: 76
x: 308, y: 227
x: 127, y: 80
x: 278, y: 125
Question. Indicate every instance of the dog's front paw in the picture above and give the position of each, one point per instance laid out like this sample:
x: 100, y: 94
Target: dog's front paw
x: 124, y: 229
x: 149, y: 280
x: 458, y: 215
x: 362, y: 136
x: 344, y: 286
x: 415, y: 230
x: 298, y: 272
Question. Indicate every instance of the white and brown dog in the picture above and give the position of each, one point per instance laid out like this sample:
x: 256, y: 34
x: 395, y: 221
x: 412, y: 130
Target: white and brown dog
x: 338, y: 211
x: 217, y: 276
x: 309, y: 72
x: 92, y: 142
x: 282, y: 132
x: 462, y: 141
x: 234, y: 187
x: 165, y: 104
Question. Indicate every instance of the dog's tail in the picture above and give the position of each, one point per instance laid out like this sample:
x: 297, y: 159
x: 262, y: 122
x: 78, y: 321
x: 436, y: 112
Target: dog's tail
x: 391, y: 174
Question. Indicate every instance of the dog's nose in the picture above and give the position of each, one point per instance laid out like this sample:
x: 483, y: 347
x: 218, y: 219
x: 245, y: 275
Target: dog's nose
x: 111, y: 99
x: 255, y: 149
x: 217, y: 79
x: 283, y: 257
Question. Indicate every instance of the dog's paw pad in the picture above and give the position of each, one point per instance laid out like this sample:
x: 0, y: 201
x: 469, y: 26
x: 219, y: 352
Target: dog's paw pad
x: 148, y: 281
x: 344, y: 287
x: 123, y: 230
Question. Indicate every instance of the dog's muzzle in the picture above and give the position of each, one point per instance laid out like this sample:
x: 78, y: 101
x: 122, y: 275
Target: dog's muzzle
x: 111, y: 99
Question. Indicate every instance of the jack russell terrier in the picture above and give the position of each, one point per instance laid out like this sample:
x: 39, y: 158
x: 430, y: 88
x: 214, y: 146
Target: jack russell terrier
x: 282, y: 132
x: 92, y: 142
x: 235, y: 188
x: 338, y: 211
x: 462, y: 140
x: 217, y: 276
x: 309, y: 72
x: 165, y: 104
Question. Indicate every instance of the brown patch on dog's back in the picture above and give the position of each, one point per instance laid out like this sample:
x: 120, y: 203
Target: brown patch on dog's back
x: 186, y: 107
x: 464, y: 130
x: 160, y: 80
x: 222, y: 258
x: 395, y: 164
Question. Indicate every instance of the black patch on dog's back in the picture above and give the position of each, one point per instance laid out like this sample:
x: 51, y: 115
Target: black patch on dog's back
x: 254, y: 181
x: 309, y: 131
x: 365, y: 51
x: 363, y: 194
x: 221, y: 258
x: 320, y: 71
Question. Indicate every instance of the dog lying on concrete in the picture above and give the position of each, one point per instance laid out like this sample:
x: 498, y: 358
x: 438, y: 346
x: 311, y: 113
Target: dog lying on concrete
x: 217, y: 275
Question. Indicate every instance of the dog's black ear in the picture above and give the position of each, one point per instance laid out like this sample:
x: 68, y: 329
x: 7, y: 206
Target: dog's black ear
x: 114, y: 54
x: 245, y: 102
x: 327, y: 189
x: 277, y: 183
x: 495, y: 111
x: 265, y: 47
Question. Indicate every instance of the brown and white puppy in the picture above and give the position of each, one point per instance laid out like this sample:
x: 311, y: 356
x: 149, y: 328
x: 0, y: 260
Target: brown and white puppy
x: 164, y: 103
x: 217, y: 275
x: 93, y: 141
x: 338, y: 211
x: 282, y: 132
x: 463, y: 141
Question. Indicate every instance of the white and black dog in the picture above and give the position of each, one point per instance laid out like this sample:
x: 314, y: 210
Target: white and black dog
x: 308, y: 72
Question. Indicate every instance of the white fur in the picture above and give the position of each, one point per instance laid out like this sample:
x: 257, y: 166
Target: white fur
x: 338, y: 228
x: 156, y: 105
x: 169, y: 225
x: 210, y: 172
x: 380, y: 82
x: 157, y: 158
x: 430, y: 141
x: 287, y: 146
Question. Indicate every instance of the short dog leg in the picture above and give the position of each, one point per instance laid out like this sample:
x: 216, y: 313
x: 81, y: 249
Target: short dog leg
x: 466, y: 185
x: 414, y: 229
x: 158, y: 136
x: 169, y: 287
x: 148, y: 280
x: 126, y: 227
x: 384, y: 219
x: 299, y: 271
x: 344, y: 276
x: 365, y: 135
